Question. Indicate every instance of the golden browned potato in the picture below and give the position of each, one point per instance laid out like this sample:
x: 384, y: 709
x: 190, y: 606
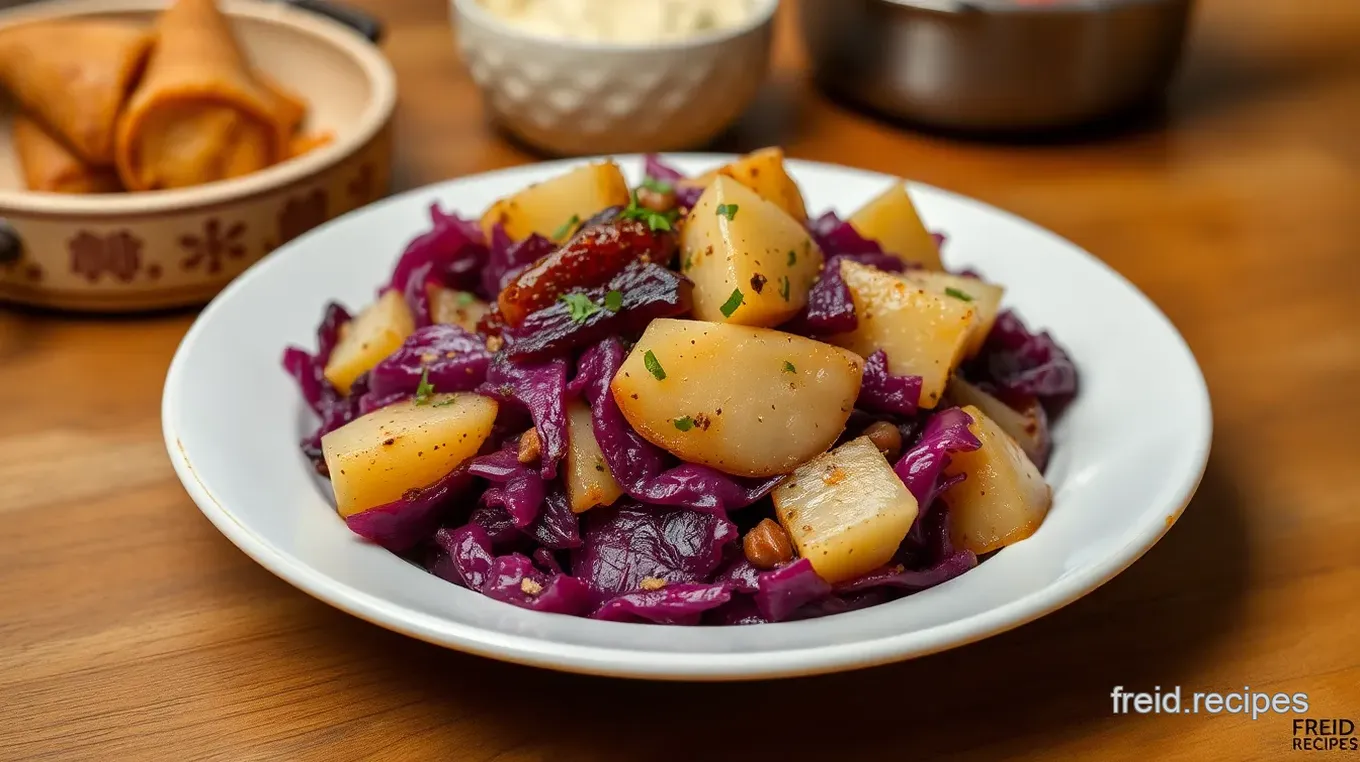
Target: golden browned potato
x: 554, y: 208
x: 1026, y: 426
x: 1004, y: 498
x: 460, y: 308
x: 589, y: 480
x: 924, y: 334
x: 892, y: 220
x: 846, y: 510
x: 369, y: 338
x: 984, y: 298
x: 751, y: 263
x: 746, y: 401
x: 375, y: 459
x: 763, y: 172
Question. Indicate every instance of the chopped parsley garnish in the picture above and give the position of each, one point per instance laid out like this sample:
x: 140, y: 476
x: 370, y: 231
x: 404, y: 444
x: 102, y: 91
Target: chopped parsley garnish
x: 784, y: 287
x: 657, y: 186
x: 793, y: 258
x: 684, y: 424
x: 613, y: 301
x: 733, y: 302
x: 653, y: 366
x: 465, y: 298
x: 654, y: 220
x: 567, y: 227
x: 424, y: 389
x: 788, y: 367
x: 579, y: 306
x: 689, y: 261
x: 727, y: 210
x: 957, y: 294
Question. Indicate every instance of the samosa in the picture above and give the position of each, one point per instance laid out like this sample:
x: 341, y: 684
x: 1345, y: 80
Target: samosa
x: 49, y: 165
x: 199, y: 114
x: 74, y: 77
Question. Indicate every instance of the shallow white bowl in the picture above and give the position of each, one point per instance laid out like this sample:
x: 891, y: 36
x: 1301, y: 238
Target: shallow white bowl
x: 1129, y: 451
x: 572, y: 97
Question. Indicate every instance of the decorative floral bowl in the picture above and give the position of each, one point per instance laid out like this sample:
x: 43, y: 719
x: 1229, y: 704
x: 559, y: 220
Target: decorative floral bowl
x: 139, y: 251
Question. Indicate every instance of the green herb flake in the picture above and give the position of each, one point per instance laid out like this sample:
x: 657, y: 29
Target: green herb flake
x: 793, y: 257
x: 567, y: 227
x: 465, y: 298
x: 653, y: 366
x: 689, y: 261
x: 784, y: 287
x: 613, y: 301
x: 655, y: 220
x: 788, y: 367
x: 727, y: 210
x: 957, y: 294
x: 579, y: 306
x: 733, y: 302
x: 445, y: 403
x: 657, y: 186
x: 684, y: 424
x: 424, y: 389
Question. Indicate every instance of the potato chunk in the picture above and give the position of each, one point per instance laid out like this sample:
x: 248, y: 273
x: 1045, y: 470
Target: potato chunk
x: 1004, y: 497
x: 746, y: 401
x: 373, y: 460
x: 846, y: 511
x: 1028, y: 426
x: 369, y: 338
x: 763, y: 172
x: 550, y: 207
x: 924, y: 334
x: 892, y: 220
x: 984, y: 297
x: 460, y: 308
x: 589, y: 480
x: 751, y: 263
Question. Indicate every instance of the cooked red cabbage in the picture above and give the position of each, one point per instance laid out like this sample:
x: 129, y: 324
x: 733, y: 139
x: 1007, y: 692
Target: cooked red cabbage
x: 922, y: 465
x: 516, y: 487
x: 515, y: 579
x: 405, y: 523
x: 454, y: 359
x: 672, y: 604
x: 1015, y: 363
x: 884, y: 392
x: 626, y: 544
x: 784, y: 590
x: 452, y: 252
x: 540, y: 388
x: 655, y: 169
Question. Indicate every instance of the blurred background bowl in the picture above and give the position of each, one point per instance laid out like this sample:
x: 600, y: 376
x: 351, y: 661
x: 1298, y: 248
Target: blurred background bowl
x: 570, y: 97
x: 995, y: 65
x: 123, y: 252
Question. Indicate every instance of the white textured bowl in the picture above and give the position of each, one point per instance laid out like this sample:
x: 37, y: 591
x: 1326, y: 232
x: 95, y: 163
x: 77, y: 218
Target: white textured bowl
x: 571, y: 97
x: 1128, y: 452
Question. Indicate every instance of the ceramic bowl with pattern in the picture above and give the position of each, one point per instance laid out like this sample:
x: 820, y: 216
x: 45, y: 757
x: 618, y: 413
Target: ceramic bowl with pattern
x: 138, y: 251
x: 572, y: 97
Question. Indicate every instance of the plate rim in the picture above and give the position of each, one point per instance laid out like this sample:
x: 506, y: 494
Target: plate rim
x: 674, y: 665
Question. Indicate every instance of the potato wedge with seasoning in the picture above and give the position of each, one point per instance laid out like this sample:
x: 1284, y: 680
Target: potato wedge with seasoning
x: 983, y: 297
x: 924, y: 334
x: 746, y: 401
x: 1003, y: 498
x: 1027, y: 426
x: 892, y: 220
x: 554, y: 208
x: 846, y: 511
x: 763, y: 172
x: 751, y: 263
x: 369, y: 338
x: 589, y: 481
x: 375, y: 459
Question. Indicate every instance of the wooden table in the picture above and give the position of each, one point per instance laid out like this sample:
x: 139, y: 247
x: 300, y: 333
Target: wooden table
x: 130, y: 629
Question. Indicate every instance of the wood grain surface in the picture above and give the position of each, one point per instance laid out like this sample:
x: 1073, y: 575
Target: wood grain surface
x: 131, y: 629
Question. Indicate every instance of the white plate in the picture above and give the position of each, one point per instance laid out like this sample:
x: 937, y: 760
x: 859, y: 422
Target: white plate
x: 1129, y: 452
